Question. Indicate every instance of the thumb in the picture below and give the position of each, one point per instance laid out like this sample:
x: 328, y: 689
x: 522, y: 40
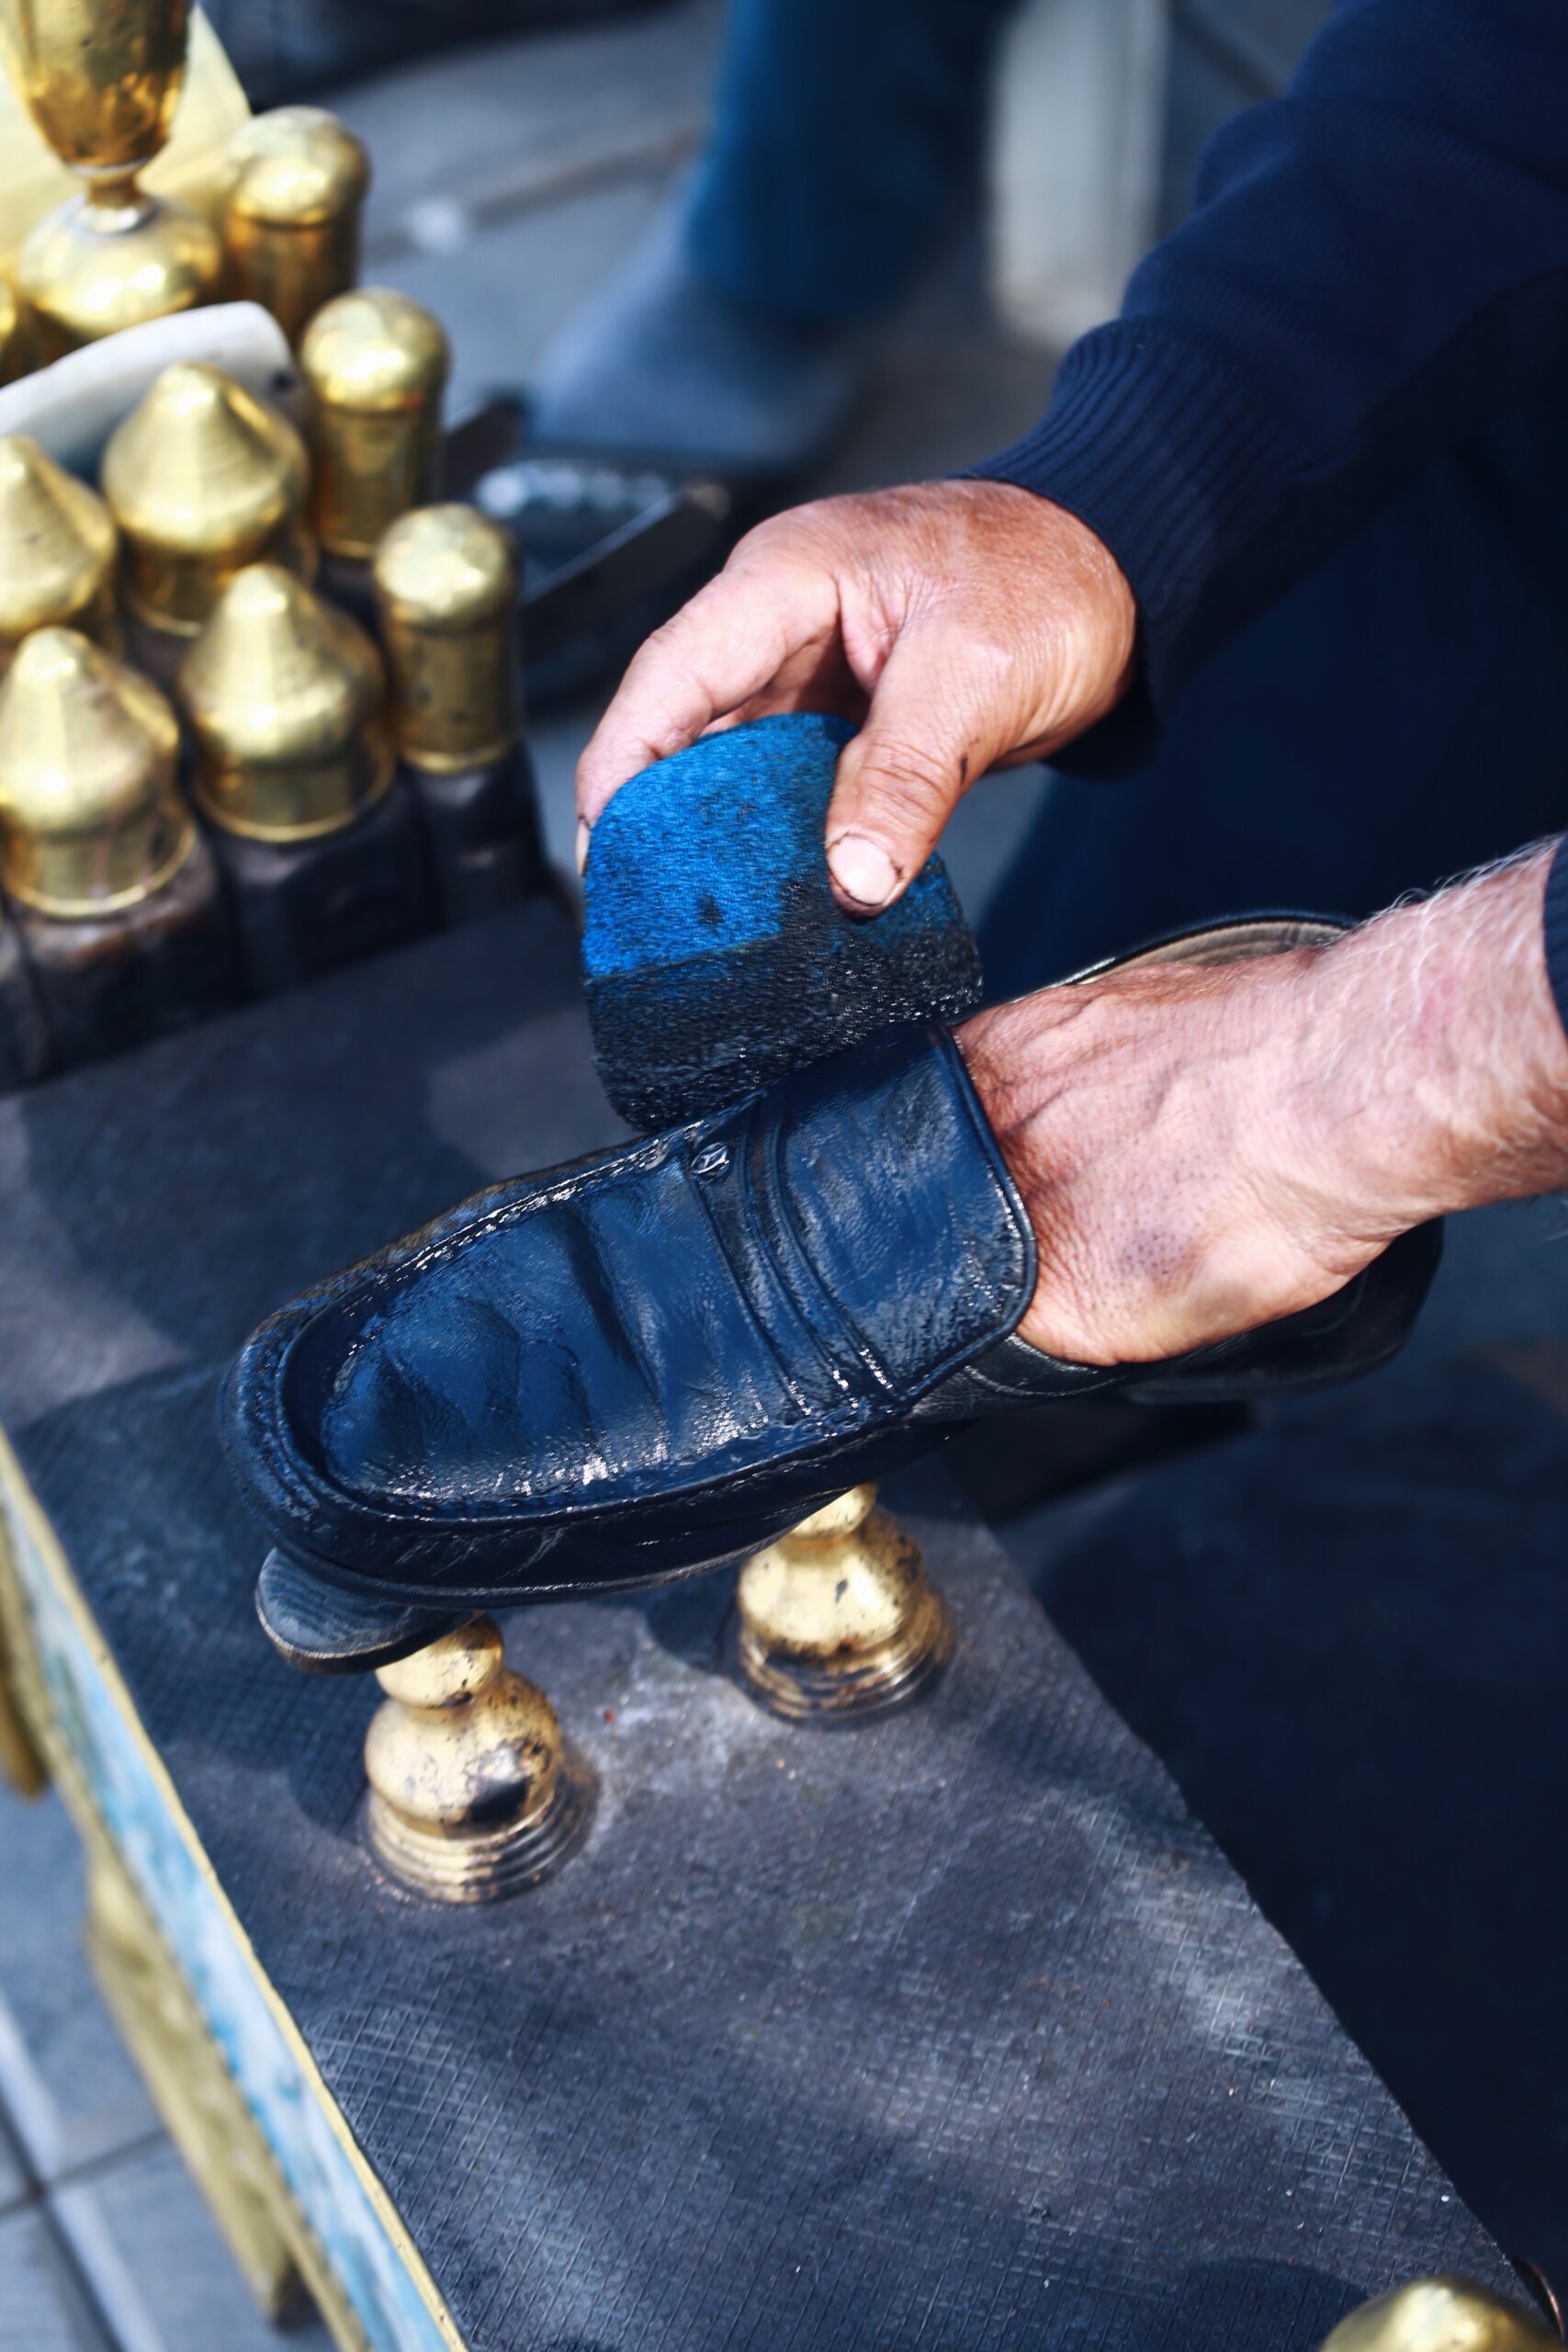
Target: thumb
x: 901, y: 777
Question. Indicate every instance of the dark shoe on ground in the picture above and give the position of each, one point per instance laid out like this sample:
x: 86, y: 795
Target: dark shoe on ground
x: 651, y: 1362
x: 660, y: 365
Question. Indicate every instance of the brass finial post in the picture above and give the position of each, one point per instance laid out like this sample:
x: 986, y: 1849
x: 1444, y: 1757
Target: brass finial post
x: 58, y: 553
x: 374, y: 365
x: 473, y: 1793
x: 297, y: 181
x: 284, y: 699
x: 115, y: 894
x: 1447, y: 2313
x: 202, y: 479
x: 837, y: 1620
x: 446, y: 579
x: 102, y: 84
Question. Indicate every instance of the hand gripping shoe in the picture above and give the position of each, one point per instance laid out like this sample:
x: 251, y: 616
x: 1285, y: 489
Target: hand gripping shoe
x: 654, y: 1360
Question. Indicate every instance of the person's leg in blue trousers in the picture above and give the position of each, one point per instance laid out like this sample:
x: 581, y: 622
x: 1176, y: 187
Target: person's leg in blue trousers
x: 1401, y: 716
x: 846, y: 135
x: 741, y: 334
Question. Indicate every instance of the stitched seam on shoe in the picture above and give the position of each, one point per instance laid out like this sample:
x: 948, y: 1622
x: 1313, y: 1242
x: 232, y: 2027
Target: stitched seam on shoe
x: 808, y: 1273
x: 740, y: 1161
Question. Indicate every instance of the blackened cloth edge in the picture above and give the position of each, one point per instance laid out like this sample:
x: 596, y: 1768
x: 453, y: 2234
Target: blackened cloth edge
x: 714, y: 954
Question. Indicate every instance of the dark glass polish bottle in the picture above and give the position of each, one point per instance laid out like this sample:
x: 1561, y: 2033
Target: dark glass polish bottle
x: 114, y: 895
x: 318, y: 839
x: 24, y: 1037
x: 446, y: 598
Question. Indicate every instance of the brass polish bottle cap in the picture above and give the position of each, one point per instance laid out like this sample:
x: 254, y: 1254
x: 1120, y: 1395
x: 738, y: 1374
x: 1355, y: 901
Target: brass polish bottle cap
x: 57, y: 550
x: 446, y: 592
x: 295, y: 167
x: 376, y: 363
x: 297, y: 180
x: 91, y: 819
x: 202, y: 479
x: 284, y: 695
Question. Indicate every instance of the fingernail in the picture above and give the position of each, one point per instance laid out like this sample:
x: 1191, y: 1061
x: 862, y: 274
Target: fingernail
x: 581, y: 845
x: 862, y: 870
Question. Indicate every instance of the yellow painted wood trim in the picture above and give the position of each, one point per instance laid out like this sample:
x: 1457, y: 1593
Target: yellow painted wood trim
x: 27, y: 1509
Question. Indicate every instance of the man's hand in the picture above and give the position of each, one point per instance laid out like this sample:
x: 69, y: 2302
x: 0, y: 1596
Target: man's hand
x: 967, y: 624
x: 1200, y: 1151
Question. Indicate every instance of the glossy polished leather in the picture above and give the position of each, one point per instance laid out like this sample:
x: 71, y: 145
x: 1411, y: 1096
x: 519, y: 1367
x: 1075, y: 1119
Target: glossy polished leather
x: 654, y: 1360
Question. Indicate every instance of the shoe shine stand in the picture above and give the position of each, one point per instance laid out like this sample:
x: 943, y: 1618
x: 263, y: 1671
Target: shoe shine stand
x: 959, y: 2025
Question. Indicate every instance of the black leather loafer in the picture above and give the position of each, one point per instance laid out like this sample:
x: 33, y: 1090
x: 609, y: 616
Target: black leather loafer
x: 652, y: 1361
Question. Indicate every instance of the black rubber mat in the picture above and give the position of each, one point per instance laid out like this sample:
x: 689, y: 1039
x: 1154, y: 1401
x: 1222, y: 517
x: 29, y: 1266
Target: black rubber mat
x: 955, y: 2029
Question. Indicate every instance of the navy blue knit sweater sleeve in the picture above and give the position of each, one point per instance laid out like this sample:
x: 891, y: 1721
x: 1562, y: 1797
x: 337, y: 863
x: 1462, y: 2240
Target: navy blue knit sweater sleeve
x: 1555, y: 924
x: 1376, y: 264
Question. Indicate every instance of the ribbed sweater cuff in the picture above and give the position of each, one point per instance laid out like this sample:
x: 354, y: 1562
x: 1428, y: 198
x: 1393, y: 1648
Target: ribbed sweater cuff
x: 1153, y: 444
x: 1555, y: 918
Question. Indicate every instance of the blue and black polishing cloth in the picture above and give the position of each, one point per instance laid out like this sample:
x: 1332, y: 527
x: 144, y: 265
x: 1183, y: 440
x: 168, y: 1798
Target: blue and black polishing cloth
x: 716, y: 955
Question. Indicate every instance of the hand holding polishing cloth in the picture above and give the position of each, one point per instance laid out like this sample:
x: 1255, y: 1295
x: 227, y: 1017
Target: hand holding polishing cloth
x: 716, y: 956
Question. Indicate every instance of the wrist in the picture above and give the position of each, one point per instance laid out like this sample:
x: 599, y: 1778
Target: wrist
x: 1432, y: 1069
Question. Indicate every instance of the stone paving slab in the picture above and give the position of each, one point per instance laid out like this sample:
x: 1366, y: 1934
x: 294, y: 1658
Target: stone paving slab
x: 67, y: 2085
x: 153, y: 2256
x: 43, y: 2308
x: 491, y: 131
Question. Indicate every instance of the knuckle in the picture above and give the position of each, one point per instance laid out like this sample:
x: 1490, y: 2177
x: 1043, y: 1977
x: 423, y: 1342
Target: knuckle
x: 908, y: 778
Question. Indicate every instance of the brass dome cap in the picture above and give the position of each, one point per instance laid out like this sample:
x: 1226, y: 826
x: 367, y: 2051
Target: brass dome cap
x: 374, y: 349
x: 284, y: 695
x: 91, y: 819
x: 1447, y: 2313
x: 57, y: 550
x: 295, y: 167
x: 446, y: 590
x: 445, y: 567
x: 202, y: 478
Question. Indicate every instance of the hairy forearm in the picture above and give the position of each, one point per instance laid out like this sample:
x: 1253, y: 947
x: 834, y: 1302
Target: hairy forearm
x: 1433, y: 1072
x: 1201, y: 1149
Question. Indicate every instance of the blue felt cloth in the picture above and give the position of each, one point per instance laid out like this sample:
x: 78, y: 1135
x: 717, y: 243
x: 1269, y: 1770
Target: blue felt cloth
x: 714, y: 954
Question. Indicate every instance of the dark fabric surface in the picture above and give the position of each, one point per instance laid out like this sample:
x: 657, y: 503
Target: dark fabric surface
x: 1399, y: 716
x: 1342, y: 1636
x: 957, y: 2028
x: 1376, y: 266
